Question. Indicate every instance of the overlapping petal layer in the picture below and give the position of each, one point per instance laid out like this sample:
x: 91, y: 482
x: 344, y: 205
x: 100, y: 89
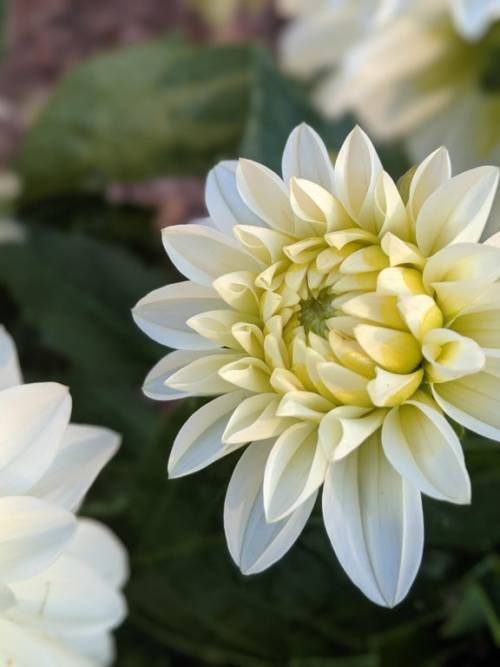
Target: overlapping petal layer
x: 362, y: 314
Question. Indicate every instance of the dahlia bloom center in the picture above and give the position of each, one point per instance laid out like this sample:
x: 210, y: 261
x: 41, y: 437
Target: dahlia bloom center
x: 343, y: 314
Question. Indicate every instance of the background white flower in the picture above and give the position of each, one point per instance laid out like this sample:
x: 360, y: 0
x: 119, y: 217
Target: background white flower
x: 59, y: 578
x: 427, y: 73
x: 336, y: 317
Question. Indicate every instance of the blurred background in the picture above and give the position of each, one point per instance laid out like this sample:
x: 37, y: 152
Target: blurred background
x: 111, y: 114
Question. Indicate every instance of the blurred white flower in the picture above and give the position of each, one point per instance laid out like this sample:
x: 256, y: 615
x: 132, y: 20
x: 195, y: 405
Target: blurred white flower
x: 428, y: 71
x: 337, y: 317
x: 59, y: 579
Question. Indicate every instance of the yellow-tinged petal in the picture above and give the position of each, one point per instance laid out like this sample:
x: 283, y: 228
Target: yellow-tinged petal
x: 350, y: 354
x: 283, y: 381
x: 304, y: 405
x: 364, y: 260
x: 396, y: 351
x: 354, y: 236
x: 401, y: 252
x: 420, y: 314
x: 463, y: 261
x: 201, y: 376
x: 312, y: 360
x: 390, y: 389
x: 401, y: 281
x: 450, y: 356
x: 247, y: 373
x: 360, y: 282
x: 374, y: 307
x: 276, y: 352
x: 304, y: 251
x: 270, y: 303
x: 255, y: 419
x: 238, y: 290
x: 216, y: 325
x: 314, y: 204
x: 345, y: 385
x: 346, y: 427
x: 263, y: 243
x: 329, y: 259
x: 453, y: 297
x: 249, y: 337
x: 272, y: 277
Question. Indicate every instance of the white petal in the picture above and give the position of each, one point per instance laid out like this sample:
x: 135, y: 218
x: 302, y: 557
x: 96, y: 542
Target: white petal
x: 84, y: 452
x: 163, y: 313
x: 253, y: 543
x: 457, y: 212
x: 255, y: 419
x: 203, y: 376
x: 346, y: 427
x: 100, y: 648
x: 69, y: 597
x: 265, y: 193
x: 357, y: 170
x: 10, y: 372
x: 32, y: 535
x: 22, y: 647
x: 473, y: 401
x: 33, y: 420
x: 374, y: 520
x: 203, y: 254
x: 96, y: 545
x: 433, y: 172
x: 305, y: 156
x: 224, y: 203
x: 321, y: 38
x: 155, y: 386
x: 424, y: 449
x: 294, y: 471
x: 463, y: 261
x: 199, y: 442
x: 473, y: 17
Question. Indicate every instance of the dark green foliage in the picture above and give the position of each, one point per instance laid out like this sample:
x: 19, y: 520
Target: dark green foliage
x: 67, y: 292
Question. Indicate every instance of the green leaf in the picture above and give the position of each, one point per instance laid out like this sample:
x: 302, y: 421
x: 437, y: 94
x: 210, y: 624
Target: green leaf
x: 162, y: 108
x: 157, y: 108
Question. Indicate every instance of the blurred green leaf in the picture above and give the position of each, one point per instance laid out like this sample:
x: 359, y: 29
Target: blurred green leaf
x: 162, y: 108
x: 140, y: 111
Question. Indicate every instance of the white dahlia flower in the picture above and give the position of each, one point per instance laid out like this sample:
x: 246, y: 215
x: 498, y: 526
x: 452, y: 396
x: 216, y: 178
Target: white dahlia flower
x: 59, y: 578
x: 429, y: 71
x: 340, y: 320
